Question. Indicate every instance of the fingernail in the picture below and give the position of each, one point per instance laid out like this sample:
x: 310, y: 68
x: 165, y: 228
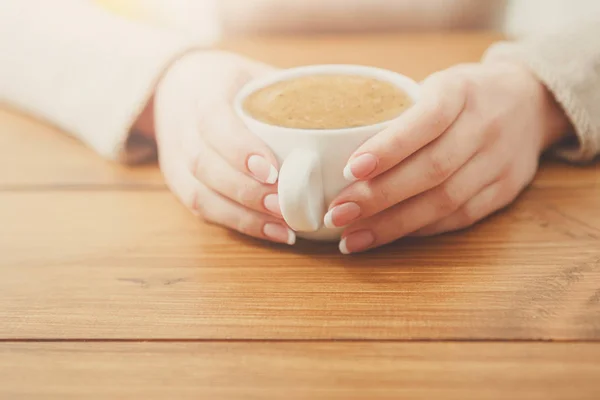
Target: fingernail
x: 342, y: 215
x: 271, y: 203
x: 262, y: 170
x: 279, y: 233
x: 356, y: 242
x: 360, y: 167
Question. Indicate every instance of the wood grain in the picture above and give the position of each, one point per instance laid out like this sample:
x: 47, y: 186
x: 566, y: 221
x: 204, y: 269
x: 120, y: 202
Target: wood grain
x: 97, y: 265
x: 344, y: 371
x: 559, y: 174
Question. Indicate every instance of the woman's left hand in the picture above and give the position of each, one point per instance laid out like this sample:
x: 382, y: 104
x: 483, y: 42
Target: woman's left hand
x: 468, y: 147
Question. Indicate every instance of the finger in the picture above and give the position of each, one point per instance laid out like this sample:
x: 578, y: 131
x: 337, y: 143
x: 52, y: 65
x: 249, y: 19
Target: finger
x: 214, y: 172
x: 228, y: 136
x: 428, y: 168
x: 177, y: 175
x: 490, y: 200
x: 219, y: 210
x: 420, y: 211
x: 442, y: 99
x: 210, y: 205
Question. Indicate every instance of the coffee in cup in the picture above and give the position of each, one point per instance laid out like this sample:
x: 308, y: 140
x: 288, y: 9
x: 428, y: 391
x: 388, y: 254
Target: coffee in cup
x: 314, y: 118
x: 334, y: 101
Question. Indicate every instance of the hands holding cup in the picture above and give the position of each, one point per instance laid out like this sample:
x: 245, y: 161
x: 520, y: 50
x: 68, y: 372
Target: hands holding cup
x: 214, y: 165
x: 466, y: 148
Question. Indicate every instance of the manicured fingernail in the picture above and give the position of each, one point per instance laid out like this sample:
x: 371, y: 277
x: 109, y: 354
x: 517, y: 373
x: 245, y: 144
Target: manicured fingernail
x: 356, y: 241
x: 279, y: 233
x: 342, y: 215
x: 360, y: 167
x: 271, y: 203
x: 262, y: 170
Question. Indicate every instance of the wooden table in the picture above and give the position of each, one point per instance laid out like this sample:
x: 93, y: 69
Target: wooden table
x: 110, y: 289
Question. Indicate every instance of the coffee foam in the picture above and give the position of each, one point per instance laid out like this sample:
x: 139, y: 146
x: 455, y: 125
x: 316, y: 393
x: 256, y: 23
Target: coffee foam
x: 334, y: 101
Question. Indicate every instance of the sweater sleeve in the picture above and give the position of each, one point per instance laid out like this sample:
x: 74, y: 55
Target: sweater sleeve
x: 568, y: 63
x: 84, y: 70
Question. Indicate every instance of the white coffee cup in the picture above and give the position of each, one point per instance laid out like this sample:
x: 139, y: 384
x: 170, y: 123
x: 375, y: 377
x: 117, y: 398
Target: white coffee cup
x: 312, y: 160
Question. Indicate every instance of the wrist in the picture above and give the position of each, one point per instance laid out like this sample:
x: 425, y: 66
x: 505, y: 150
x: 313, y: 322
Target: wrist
x: 556, y: 126
x: 553, y: 124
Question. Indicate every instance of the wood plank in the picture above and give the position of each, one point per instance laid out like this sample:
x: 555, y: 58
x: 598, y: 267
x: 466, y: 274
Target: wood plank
x: 98, y: 265
x: 560, y: 174
x: 345, y: 371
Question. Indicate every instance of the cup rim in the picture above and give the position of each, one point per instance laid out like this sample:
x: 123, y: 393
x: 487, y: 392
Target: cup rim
x: 406, y: 84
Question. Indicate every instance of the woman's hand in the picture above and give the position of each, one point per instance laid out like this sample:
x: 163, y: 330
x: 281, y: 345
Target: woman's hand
x: 216, y: 167
x: 465, y: 150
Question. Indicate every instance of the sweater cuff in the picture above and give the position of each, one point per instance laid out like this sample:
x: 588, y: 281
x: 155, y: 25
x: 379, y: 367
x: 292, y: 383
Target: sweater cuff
x: 118, y: 140
x: 570, y: 79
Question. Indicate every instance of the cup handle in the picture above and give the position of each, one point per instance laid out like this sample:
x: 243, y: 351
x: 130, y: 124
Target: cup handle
x: 301, y: 195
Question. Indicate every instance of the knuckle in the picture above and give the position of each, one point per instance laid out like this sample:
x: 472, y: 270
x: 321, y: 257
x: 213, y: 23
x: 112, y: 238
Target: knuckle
x: 465, y: 88
x: 491, y: 129
x: 466, y: 85
x: 393, y: 143
x: 193, y: 201
x: 494, y: 123
x: 505, y: 175
x: 373, y: 196
x: 196, y: 165
x: 440, y: 167
x: 247, y: 225
x: 438, y: 108
x: 448, y: 200
x: 504, y: 165
x: 382, y: 194
x: 468, y: 215
x: 248, y: 194
x: 388, y: 227
x: 458, y: 86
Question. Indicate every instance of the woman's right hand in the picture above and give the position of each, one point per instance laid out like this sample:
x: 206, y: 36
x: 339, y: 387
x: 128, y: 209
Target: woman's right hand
x: 215, y: 166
